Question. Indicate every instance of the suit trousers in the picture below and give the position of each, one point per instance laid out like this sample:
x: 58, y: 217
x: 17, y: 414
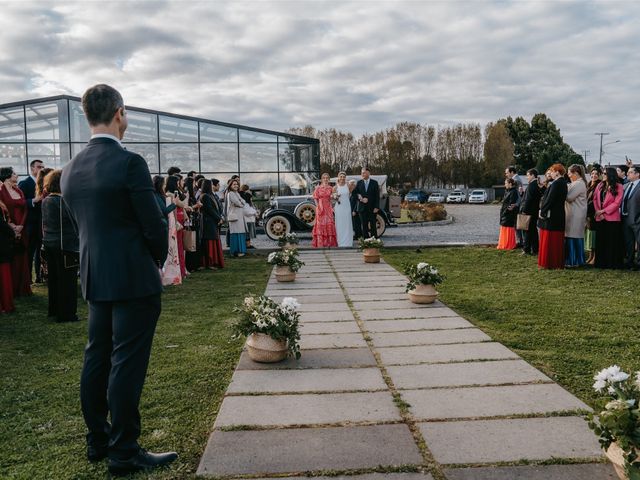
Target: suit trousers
x: 368, y: 222
x: 357, y: 225
x: 115, y: 365
x: 630, y: 241
x: 35, y: 244
x: 63, y: 287
x: 530, y: 237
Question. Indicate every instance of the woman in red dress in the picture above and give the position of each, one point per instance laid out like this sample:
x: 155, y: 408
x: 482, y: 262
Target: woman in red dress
x: 16, y: 204
x: 324, y: 230
x: 7, y: 241
x: 551, y: 220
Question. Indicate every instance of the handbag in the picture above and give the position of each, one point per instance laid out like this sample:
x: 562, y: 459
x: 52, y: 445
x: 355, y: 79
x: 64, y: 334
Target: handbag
x: 70, y: 259
x: 522, y: 222
x: 189, y: 240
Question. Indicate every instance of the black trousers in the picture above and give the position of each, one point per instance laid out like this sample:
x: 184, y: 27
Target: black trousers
x: 62, y: 287
x: 368, y: 222
x: 35, y: 244
x: 115, y: 365
x: 357, y: 226
x: 630, y: 235
x: 530, y: 237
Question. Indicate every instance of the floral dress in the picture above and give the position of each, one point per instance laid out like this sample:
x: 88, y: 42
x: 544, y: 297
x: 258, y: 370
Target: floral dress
x: 324, y: 230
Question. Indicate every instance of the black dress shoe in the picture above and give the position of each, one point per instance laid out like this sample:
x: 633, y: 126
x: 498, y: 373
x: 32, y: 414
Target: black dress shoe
x: 141, y: 461
x: 95, y: 454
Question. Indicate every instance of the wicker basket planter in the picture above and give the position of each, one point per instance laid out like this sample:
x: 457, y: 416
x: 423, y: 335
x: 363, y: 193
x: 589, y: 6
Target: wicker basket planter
x: 264, y: 349
x: 284, y: 274
x: 371, y: 255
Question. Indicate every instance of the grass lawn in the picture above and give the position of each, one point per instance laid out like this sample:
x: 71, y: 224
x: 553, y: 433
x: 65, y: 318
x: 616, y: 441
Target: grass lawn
x: 568, y: 323
x: 193, y: 357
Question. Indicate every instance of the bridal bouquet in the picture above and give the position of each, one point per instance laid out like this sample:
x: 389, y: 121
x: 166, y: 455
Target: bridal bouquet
x: 619, y: 422
x: 288, y: 238
x: 265, y: 315
x: 286, y: 258
x: 335, y: 198
x: 421, y: 274
x: 372, y: 242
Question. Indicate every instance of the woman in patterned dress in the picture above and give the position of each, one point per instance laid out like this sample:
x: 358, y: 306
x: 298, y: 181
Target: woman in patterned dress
x: 324, y: 230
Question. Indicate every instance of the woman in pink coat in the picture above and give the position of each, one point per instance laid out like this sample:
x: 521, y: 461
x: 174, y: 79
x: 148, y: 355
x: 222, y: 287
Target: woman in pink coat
x: 606, y: 201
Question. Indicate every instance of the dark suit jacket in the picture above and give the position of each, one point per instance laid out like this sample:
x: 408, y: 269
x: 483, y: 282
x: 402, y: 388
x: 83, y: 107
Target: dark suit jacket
x: 372, y: 194
x: 552, y: 207
x: 530, y: 204
x: 123, y: 234
x: 633, y: 208
x: 211, y: 215
x: 34, y: 218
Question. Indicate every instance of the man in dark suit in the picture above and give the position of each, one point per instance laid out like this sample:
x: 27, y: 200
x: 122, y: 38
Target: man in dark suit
x: 123, y: 239
x: 368, y: 193
x: 630, y: 210
x: 355, y: 218
x: 34, y: 217
x: 530, y: 205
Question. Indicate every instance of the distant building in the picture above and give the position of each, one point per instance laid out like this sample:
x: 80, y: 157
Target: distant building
x: 54, y: 129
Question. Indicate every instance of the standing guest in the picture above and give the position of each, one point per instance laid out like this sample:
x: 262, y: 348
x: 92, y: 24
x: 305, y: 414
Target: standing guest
x: 606, y: 201
x: 33, y: 226
x: 123, y: 239
x: 575, y: 212
x: 342, y: 209
x: 42, y: 272
x: 171, y: 269
x: 234, y: 205
x: 211, y: 212
x: 324, y: 230
x: 60, y: 241
x: 368, y: 193
x: 355, y: 218
x: 530, y: 205
x: 508, y: 215
x: 173, y: 191
x: 223, y: 196
x: 630, y: 212
x: 16, y: 204
x: 192, y: 258
x: 7, y: 242
x: 250, y: 220
x: 173, y: 171
x: 621, y: 171
x: 161, y: 196
x: 590, y: 233
x: 551, y: 220
x: 511, y: 172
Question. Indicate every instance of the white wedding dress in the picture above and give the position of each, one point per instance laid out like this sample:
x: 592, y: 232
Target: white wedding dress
x: 342, y: 210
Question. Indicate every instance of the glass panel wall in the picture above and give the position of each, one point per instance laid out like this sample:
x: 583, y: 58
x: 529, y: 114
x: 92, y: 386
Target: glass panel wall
x: 251, y: 136
x: 143, y: 127
x: 219, y: 157
x: 149, y: 152
x: 173, y: 129
x: 258, y: 157
x: 79, y: 127
x: 53, y: 155
x: 210, y: 132
x: 262, y: 185
x: 15, y: 156
x: 183, y: 155
x: 12, y: 124
x: 48, y: 121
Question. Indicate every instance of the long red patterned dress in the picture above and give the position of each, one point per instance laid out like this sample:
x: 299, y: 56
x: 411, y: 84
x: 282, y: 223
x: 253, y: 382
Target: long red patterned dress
x: 324, y: 230
x: 20, y: 265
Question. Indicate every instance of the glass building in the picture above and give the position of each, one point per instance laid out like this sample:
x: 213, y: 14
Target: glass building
x: 54, y: 129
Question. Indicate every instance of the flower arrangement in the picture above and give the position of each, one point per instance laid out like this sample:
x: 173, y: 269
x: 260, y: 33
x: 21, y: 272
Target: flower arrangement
x: 288, y: 238
x: 421, y: 274
x: 371, y: 242
x: 619, y: 422
x: 286, y: 258
x: 264, y: 315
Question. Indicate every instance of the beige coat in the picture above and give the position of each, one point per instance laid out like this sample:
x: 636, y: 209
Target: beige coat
x: 575, y: 210
x: 234, y: 204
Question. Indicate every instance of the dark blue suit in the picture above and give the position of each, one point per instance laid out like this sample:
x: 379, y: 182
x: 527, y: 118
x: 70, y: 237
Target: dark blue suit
x: 123, y: 238
x: 33, y: 224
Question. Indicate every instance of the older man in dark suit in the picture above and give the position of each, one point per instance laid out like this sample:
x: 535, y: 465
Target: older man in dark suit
x: 34, y: 217
x: 630, y: 212
x: 123, y: 239
x: 368, y: 193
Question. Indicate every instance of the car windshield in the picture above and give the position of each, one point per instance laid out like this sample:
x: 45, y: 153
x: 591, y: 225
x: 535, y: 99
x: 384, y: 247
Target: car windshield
x: 477, y: 192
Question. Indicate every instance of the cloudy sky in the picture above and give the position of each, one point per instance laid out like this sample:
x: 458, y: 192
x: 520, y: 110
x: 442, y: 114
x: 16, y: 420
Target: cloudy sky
x: 360, y: 66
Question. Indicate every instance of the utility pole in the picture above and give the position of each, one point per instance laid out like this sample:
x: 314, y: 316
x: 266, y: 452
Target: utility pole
x: 584, y: 154
x: 602, y: 134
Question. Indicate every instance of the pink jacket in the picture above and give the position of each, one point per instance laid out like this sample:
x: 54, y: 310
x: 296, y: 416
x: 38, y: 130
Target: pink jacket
x: 611, y: 205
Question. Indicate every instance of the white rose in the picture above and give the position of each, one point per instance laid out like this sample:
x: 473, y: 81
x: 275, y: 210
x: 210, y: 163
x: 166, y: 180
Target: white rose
x: 619, y: 377
x: 249, y: 302
x: 290, y: 303
x: 599, y: 385
x: 271, y: 256
x: 422, y: 265
x: 602, y: 375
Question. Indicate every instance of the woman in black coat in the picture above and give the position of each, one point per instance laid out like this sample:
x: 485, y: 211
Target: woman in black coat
x: 551, y: 221
x: 211, y: 218
x: 529, y: 206
x: 508, y: 215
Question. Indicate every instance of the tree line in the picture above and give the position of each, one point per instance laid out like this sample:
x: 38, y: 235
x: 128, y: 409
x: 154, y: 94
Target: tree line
x: 458, y: 155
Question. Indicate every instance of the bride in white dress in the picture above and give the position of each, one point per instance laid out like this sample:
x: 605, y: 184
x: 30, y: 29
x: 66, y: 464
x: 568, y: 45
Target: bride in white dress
x: 342, y: 210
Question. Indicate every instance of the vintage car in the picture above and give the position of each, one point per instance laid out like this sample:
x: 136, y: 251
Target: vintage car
x: 297, y: 213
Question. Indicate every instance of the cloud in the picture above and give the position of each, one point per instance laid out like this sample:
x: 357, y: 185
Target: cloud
x: 358, y: 66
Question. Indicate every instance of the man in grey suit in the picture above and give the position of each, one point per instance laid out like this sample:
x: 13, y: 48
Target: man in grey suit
x: 123, y: 238
x: 630, y: 210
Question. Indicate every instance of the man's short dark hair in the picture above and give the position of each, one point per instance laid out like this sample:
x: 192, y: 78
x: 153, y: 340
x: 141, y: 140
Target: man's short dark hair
x: 191, y: 173
x: 532, y: 171
x: 198, y: 177
x: 215, y: 182
x: 100, y: 103
x: 624, y: 168
x: 33, y: 162
x: 365, y: 167
x: 635, y: 169
x: 173, y: 170
x: 512, y: 169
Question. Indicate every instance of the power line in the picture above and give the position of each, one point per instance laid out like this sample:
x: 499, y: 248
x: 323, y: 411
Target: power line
x: 602, y: 134
x: 584, y: 154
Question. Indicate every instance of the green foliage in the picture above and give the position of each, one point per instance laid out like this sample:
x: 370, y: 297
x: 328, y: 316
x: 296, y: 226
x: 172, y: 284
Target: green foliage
x: 371, y: 242
x: 498, y: 153
x: 421, y: 274
x: 290, y: 238
x: 286, y: 258
x: 264, y: 315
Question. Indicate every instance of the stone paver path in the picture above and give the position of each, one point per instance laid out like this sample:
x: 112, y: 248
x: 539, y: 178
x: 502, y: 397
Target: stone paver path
x: 386, y: 387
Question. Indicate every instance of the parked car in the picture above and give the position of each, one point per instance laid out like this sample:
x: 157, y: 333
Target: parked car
x: 478, y: 196
x: 419, y: 196
x: 457, y: 196
x: 297, y: 213
x: 436, y: 197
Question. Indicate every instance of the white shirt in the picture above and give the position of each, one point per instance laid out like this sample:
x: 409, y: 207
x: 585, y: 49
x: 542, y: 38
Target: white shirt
x: 106, y: 135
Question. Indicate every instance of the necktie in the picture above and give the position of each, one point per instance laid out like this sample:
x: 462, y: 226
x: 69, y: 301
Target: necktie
x: 366, y: 185
x: 627, y: 194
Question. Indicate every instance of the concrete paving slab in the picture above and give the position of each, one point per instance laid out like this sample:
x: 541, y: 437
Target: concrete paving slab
x: 372, y: 283
x: 380, y: 326
x: 319, y: 328
x: 401, y: 304
x: 320, y: 358
x: 314, y: 380
x: 464, y: 374
x: 324, y: 317
x: 587, y: 471
x: 445, y: 353
x: 306, y: 292
x: 379, y: 314
x: 309, y: 285
x: 429, y: 337
x: 373, y: 297
x: 369, y: 476
x: 342, y: 340
x: 476, y: 402
x: 489, y: 441
x: 307, y: 409
x: 308, y: 449
x: 314, y: 305
x: 306, y: 300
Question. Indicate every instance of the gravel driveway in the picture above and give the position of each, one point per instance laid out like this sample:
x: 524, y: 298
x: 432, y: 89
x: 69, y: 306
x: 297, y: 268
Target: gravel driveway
x: 472, y: 224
